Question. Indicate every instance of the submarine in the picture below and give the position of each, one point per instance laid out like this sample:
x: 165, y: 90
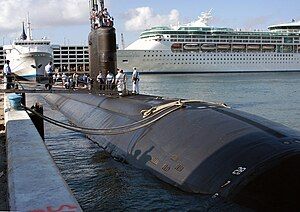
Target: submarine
x: 199, y: 147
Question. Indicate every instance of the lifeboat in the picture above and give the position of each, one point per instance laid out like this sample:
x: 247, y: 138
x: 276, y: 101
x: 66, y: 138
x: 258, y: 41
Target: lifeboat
x: 268, y: 47
x: 223, y: 46
x: 208, y: 46
x: 253, y: 47
x: 191, y: 46
x: 176, y: 46
x: 238, y: 47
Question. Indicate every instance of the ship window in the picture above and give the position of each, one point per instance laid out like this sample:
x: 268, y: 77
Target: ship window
x: 125, y: 61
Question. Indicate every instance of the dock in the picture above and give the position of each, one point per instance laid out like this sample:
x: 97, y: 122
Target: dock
x: 34, y: 180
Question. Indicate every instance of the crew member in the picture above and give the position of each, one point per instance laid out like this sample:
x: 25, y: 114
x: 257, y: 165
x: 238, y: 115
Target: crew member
x: 135, y: 81
x: 49, y: 74
x: 7, y: 75
x: 89, y: 82
x: 63, y: 79
x: 109, y: 80
x: 108, y: 20
x: 120, y: 82
x: 75, y: 79
x: 101, y: 81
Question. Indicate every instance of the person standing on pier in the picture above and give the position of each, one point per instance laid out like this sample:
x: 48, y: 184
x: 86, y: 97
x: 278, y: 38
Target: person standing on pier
x: 89, y: 83
x: 75, y: 79
x: 7, y: 75
x: 63, y: 79
x: 49, y: 74
x: 135, y: 81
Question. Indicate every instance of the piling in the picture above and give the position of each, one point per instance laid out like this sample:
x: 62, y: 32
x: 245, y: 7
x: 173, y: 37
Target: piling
x: 37, y: 120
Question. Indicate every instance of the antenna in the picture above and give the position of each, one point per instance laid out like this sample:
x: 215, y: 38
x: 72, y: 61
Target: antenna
x: 102, y: 5
x: 122, y: 41
x: 29, y: 32
x: 94, y: 5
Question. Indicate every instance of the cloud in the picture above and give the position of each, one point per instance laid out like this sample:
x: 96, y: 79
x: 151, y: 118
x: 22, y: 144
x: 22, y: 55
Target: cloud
x: 144, y: 17
x: 43, y: 13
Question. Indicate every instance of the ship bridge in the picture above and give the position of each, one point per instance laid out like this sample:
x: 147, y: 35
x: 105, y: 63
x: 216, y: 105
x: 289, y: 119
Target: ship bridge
x: 294, y: 26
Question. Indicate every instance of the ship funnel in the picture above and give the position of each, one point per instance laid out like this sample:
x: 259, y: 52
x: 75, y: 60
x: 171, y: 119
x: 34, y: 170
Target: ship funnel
x: 23, y: 35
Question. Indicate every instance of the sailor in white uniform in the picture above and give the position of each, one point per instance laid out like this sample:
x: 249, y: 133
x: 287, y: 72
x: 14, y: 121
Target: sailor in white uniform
x: 135, y: 81
x: 7, y: 75
x: 120, y: 81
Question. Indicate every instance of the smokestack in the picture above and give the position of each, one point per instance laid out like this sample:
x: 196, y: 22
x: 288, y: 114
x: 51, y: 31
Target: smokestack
x: 23, y: 35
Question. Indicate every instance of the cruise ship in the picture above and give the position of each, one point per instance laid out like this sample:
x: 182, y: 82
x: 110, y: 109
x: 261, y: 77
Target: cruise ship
x: 28, y: 57
x: 199, y: 48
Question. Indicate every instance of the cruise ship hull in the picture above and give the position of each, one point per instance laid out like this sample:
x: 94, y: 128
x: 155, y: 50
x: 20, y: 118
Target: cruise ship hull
x: 165, y: 61
x: 31, y: 65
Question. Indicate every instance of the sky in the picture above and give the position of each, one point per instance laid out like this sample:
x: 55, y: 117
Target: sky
x: 67, y: 21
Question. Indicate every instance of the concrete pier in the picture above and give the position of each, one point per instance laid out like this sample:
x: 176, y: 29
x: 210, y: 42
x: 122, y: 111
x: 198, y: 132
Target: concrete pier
x: 3, y: 178
x: 34, y: 181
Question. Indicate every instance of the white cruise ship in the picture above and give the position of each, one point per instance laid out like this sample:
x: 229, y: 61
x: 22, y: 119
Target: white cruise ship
x: 199, y: 48
x: 29, y: 57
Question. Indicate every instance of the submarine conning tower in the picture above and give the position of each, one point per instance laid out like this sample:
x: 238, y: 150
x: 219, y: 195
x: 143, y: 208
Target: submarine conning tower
x: 102, y: 42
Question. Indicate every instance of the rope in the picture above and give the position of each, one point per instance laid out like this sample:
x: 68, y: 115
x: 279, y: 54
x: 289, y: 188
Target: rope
x: 153, y: 110
x: 111, y: 131
x: 120, y: 127
x: 149, y: 117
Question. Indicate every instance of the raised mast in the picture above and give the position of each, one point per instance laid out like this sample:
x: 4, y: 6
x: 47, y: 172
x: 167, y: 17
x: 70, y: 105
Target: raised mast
x: 29, y: 31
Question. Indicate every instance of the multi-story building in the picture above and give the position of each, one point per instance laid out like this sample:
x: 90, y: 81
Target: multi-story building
x: 71, y: 58
x: 67, y: 59
x: 2, y: 57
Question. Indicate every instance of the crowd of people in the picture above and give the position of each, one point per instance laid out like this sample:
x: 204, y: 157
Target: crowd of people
x: 107, y: 82
x: 101, y: 18
x: 71, y: 81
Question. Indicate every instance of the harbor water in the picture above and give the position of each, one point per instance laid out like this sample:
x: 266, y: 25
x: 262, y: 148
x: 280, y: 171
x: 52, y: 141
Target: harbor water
x: 102, y: 184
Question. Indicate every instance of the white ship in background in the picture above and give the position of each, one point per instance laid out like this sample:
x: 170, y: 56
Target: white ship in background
x: 28, y: 57
x: 199, y: 48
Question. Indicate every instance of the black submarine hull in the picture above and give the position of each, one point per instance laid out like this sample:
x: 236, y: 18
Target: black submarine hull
x: 201, y: 148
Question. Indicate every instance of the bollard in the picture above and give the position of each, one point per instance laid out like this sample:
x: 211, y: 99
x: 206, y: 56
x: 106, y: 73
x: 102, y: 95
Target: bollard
x: 38, y: 121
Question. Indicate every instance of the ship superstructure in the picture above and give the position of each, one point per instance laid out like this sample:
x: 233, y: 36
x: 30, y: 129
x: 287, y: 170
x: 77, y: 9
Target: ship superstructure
x: 197, y: 47
x: 28, y: 57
